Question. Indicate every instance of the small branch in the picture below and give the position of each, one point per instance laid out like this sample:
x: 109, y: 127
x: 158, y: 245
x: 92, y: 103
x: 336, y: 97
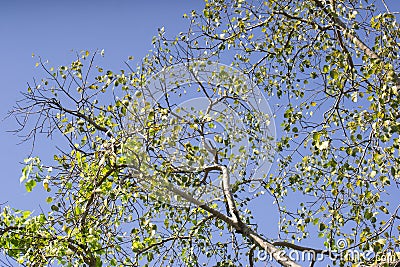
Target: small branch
x: 162, y: 242
x: 228, y: 195
x: 251, y: 255
x: 8, y: 229
x: 91, y: 199
x: 301, y: 248
x: 225, y: 186
x: 82, y: 116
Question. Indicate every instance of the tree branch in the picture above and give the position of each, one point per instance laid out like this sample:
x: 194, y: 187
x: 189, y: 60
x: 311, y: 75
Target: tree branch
x: 347, y: 32
x: 245, y: 230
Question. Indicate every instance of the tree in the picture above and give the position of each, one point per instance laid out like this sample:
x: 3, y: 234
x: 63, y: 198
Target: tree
x: 147, y: 177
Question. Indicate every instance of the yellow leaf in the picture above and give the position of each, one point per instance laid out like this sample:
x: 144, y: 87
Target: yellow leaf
x: 46, y: 184
x: 381, y: 241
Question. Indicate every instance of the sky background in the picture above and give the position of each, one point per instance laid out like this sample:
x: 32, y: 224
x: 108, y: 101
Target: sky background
x: 53, y: 30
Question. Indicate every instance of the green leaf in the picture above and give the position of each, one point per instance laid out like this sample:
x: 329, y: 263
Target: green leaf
x: 29, y: 185
x: 26, y: 214
x: 334, y: 74
x: 54, y: 208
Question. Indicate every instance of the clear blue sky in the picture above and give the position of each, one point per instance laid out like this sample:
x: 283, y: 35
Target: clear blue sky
x: 52, y: 29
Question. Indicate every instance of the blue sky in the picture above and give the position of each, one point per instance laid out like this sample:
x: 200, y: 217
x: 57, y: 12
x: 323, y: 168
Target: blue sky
x: 52, y: 29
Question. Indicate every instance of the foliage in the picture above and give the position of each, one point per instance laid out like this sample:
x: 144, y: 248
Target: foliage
x: 331, y: 70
